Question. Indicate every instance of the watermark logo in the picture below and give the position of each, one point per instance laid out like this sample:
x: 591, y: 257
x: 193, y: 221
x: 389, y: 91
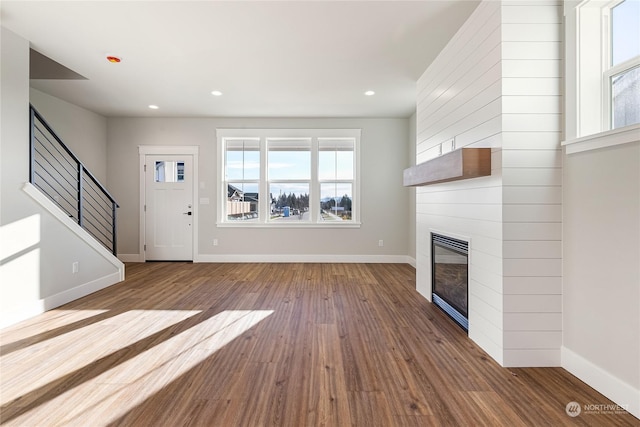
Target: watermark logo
x: 573, y: 409
x: 604, y: 409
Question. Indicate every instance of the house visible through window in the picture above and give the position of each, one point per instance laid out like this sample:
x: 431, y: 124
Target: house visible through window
x: 288, y: 177
x: 242, y: 179
x: 623, y: 74
x: 168, y: 171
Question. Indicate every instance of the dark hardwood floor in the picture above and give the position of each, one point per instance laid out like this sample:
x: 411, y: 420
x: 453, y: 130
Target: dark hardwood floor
x: 181, y: 344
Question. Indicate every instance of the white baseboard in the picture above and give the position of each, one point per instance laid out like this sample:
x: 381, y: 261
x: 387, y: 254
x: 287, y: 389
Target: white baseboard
x: 33, y: 308
x: 272, y: 258
x: 531, y: 358
x: 612, y: 387
x: 130, y: 258
x: 83, y: 290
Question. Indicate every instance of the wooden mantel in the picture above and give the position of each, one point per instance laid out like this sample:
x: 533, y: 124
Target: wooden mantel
x: 459, y: 164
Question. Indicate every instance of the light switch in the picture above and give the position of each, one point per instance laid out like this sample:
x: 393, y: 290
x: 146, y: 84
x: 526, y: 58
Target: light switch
x: 448, y: 146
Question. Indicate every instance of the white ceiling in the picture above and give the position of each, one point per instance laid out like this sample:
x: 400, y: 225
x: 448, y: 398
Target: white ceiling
x: 270, y: 59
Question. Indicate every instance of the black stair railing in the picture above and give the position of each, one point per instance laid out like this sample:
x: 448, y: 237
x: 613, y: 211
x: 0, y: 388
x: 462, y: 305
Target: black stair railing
x: 62, y: 177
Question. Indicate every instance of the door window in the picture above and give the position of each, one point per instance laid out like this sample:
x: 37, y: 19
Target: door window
x: 169, y: 171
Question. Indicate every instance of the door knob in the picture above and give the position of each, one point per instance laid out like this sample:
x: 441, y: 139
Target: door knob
x: 186, y: 213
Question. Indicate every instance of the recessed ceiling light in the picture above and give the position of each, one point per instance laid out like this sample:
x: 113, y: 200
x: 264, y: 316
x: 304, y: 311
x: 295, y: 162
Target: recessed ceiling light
x: 153, y: 107
x: 113, y: 59
x: 216, y: 93
x: 369, y: 93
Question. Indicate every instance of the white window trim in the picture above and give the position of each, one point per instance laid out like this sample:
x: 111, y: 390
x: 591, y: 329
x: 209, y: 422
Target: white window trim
x: 265, y: 134
x: 588, y: 106
x: 610, y: 138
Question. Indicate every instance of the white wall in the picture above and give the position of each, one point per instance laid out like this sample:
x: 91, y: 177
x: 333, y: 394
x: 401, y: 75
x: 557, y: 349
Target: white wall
x: 83, y: 131
x: 555, y: 262
x: 38, y: 248
x: 459, y: 96
x: 384, y: 201
x: 601, y: 248
x: 601, y: 290
x: 532, y: 182
x: 498, y: 84
x: 601, y: 287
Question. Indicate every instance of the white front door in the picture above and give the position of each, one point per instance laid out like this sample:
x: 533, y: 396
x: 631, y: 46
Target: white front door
x: 169, y: 208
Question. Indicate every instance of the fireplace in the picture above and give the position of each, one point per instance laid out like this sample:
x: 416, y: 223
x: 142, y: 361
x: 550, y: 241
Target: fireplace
x: 450, y: 277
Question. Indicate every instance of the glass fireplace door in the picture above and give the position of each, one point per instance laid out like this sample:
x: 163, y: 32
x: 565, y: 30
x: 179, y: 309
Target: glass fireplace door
x: 450, y: 277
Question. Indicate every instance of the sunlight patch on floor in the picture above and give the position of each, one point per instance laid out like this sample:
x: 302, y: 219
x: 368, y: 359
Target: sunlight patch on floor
x: 88, y: 344
x: 137, y: 374
x: 45, y: 323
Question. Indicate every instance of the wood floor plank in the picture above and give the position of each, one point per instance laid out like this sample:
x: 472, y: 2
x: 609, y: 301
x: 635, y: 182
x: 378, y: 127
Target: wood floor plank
x: 370, y: 408
x: 182, y: 344
x: 328, y: 403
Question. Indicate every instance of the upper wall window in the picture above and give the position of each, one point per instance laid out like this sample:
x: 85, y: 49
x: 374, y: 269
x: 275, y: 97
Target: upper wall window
x: 622, y: 78
x: 607, y: 69
x: 289, y: 177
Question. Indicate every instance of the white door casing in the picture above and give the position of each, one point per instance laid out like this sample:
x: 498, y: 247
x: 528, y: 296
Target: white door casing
x: 168, y: 229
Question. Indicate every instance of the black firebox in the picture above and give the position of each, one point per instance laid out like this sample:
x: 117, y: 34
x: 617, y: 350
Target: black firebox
x: 450, y: 277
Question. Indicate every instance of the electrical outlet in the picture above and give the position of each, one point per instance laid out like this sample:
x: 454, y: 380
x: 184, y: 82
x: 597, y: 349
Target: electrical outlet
x: 74, y: 267
x: 215, y: 242
x: 381, y: 243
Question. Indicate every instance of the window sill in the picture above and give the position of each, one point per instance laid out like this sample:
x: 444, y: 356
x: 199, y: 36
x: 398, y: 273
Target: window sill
x: 610, y: 138
x: 350, y: 224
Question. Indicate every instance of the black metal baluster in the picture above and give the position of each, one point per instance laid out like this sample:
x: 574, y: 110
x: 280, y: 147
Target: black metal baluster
x: 32, y: 145
x: 80, y: 191
x: 113, y: 240
x: 92, y: 216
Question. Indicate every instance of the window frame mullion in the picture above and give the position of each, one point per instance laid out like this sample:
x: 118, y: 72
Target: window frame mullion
x: 314, y: 185
x: 265, y: 201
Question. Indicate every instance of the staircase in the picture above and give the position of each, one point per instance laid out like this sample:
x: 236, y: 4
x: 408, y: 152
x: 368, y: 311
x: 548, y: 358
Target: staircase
x: 62, y: 177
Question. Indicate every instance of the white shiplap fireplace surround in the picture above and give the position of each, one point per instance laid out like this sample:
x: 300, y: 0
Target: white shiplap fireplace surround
x: 498, y: 85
